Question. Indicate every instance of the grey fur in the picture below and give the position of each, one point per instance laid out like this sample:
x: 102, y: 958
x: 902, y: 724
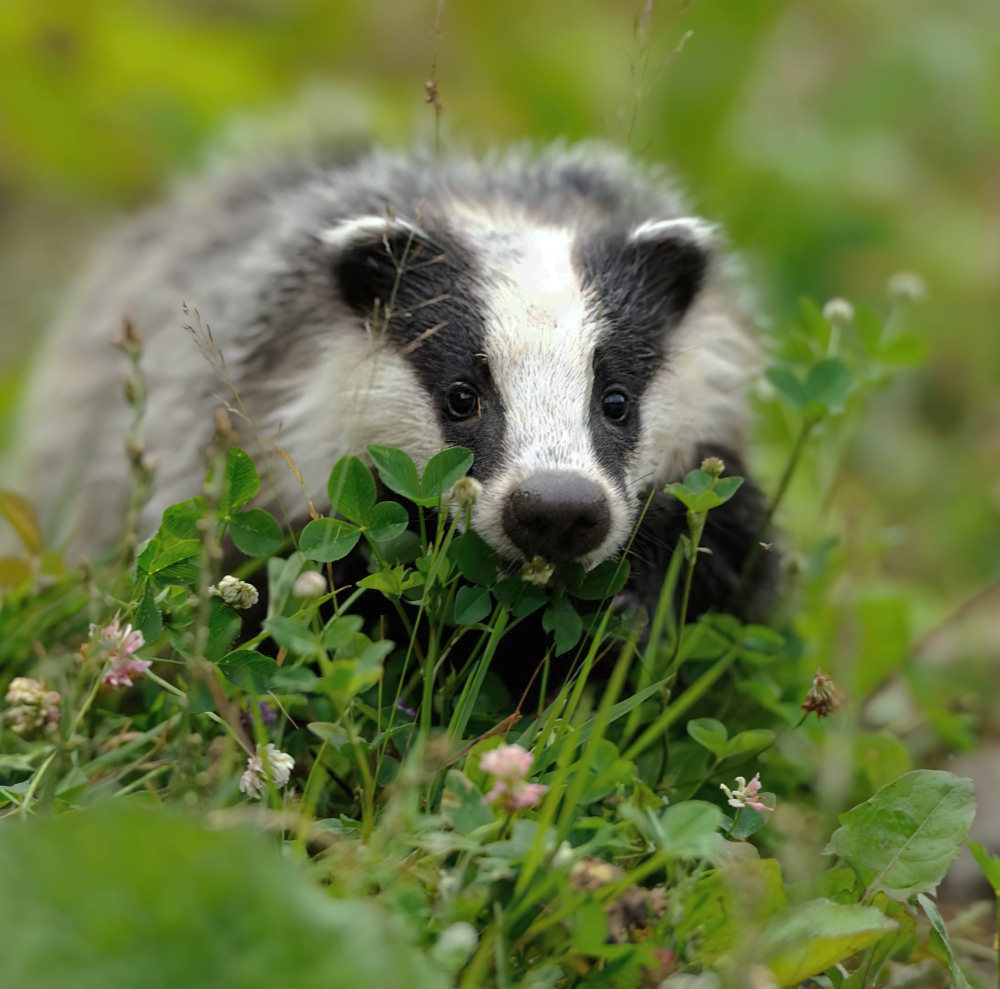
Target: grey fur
x: 251, y: 251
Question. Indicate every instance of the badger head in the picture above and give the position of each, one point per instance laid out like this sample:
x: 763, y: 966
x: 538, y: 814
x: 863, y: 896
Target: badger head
x: 582, y: 365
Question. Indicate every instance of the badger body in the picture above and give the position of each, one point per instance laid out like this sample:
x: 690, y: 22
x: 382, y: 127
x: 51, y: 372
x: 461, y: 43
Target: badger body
x: 560, y: 313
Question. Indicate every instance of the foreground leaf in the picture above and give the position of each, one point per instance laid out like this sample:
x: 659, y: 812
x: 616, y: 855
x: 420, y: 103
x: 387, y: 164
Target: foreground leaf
x: 902, y: 840
x: 808, y: 938
x: 116, y: 898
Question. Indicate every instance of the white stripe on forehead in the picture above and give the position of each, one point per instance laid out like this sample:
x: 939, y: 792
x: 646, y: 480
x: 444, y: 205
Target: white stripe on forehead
x: 539, y: 344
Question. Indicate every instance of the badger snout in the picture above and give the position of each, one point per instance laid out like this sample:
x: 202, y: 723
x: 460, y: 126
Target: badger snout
x: 558, y: 514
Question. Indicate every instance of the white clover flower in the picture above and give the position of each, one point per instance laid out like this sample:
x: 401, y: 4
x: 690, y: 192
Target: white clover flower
x: 235, y: 592
x: 267, y: 761
x: 309, y: 584
x: 30, y: 705
x: 466, y: 492
x: 454, y: 945
x: 838, y: 311
x: 509, y: 765
x: 117, y: 645
x: 537, y: 571
x: 906, y: 286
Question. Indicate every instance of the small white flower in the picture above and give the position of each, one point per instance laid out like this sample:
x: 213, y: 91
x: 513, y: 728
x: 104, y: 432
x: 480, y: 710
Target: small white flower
x: 537, y: 571
x: 268, y: 761
x: 466, y: 492
x: 838, y: 311
x: 905, y: 286
x: 454, y: 945
x: 235, y: 592
x: 745, y: 795
x: 309, y: 584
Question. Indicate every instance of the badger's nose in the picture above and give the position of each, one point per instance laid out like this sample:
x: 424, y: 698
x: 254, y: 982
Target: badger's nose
x: 558, y: 514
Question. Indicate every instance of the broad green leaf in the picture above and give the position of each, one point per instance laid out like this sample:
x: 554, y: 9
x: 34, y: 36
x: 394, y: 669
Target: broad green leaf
x: 690, y: 829
x: 748, y: 743
x: 18, y: 511
x: 256, y: 532
x: 562, y: 619
x: 326, y: 540
x: 171, y: 562
x: 958, y: 979
x: 462, y: 803
x: 249, y: 670
x: 829, y: 383
x: 472, y: 605
x: 239, y: 482
x: 442, y: 471
x: 340, y: 630
x: 351, y: 488
x: 114, y: 897
x: 392, y: 582
x: 397, y: 471
x: 181, y: 520
x: 903, y: 839
x: 810, y: 937
x: 710, y: 734
x: 387, y: 520
x: 477, y: 561
x: 148, y: 618
x: 726, y: 487
x: 604, y: 581
x: 786, y: 383
x: 295, y: 636
x: 224, y: 624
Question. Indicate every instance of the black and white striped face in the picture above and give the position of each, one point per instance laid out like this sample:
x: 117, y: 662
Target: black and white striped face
x: 559, y: 357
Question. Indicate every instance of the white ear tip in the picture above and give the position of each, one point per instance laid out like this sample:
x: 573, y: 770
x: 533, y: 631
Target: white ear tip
x: 363, y: 229
x: 692, y: 228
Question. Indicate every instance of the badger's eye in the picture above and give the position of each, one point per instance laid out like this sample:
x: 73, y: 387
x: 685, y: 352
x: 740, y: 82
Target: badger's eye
x: 461, y: 400
x: 614, y: 405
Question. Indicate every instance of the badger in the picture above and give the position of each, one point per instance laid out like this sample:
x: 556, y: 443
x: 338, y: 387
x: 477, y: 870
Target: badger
x: 557, y: 311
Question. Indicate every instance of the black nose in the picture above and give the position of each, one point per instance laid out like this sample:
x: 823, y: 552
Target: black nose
x: 558, y: 514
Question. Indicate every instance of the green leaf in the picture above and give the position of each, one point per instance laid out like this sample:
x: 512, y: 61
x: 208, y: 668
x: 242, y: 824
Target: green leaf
x: 239, y: 482
x: 326, y: 540
x: 148, y: 619
x: 224, y: 624
x: 990, y: 864
x: 829, y: 383
x: 903, y: 839
x: 171, y: 562
x: 472, y: 605
x: 181, y: 520
x: 748, y: 743
x: 249, y: 670
x: 477, y: 561
x: 810, y: 937
x: 256, y: 532
x: 601, y: 583
x: 710, y: 734
x: 397, y: 471
x: 351, y: 489
x: 387, y: 520
x: 116, y: 897
x: 295, y: 636
x: 726, y: 487
x: 958, y: 979
x: 562, y: 619
x: 786, y: 383
x: 442, y: 471
x: 690, y: 829
x: 462, y: 803
x: 340, y: 630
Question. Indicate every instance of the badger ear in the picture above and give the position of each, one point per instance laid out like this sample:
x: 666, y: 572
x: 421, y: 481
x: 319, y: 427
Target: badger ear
x: 370, y: 256
x: 673, y: 257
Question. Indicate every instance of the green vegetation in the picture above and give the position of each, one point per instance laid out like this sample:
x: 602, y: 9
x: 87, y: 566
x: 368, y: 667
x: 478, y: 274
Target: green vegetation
x: 329, y: 796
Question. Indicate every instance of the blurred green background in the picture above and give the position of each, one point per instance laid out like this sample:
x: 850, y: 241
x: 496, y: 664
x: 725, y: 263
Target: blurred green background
x: 837, y: 140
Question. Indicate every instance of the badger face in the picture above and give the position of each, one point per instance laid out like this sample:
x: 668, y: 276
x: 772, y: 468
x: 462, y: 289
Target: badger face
x: 550, y: 352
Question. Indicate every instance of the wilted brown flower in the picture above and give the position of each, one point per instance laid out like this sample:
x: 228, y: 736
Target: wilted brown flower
x: 824, y: 697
